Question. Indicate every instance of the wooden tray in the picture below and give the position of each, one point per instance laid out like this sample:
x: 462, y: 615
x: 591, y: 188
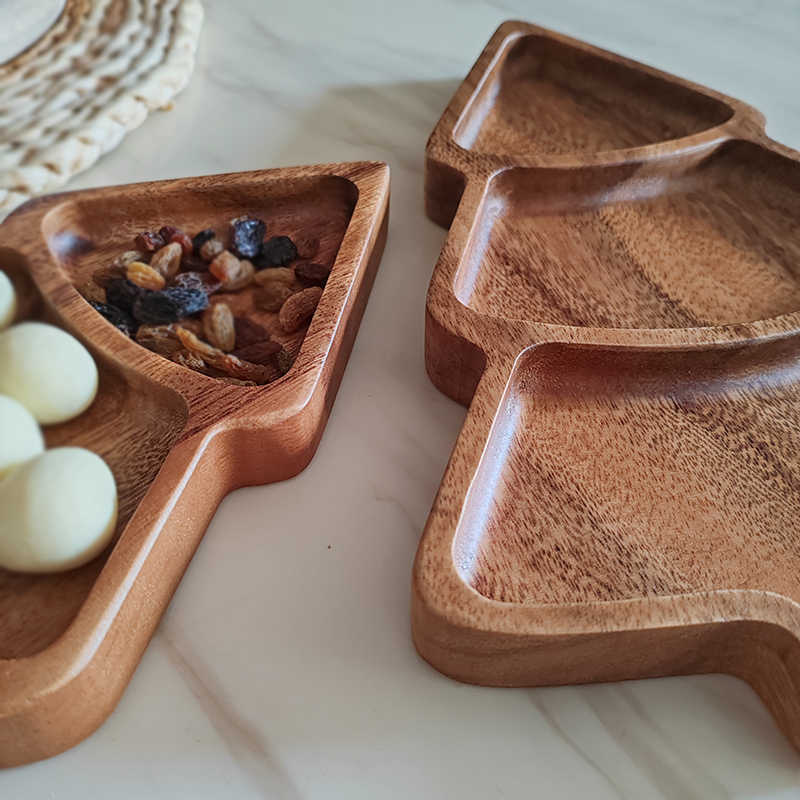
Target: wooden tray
x: 176, y: 440
x: 617, y: 303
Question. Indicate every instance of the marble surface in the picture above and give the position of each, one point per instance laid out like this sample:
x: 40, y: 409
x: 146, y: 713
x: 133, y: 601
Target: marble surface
x: 284, y: 666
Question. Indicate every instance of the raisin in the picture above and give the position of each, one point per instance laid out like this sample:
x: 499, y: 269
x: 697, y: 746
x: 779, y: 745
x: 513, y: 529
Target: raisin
x: 310, y: 274
x: 199, y: 239
x: 117, y: 317
x: 259, y: 352
x: 249, y: 332
x: 197, y: 280
x: 247, y: 234
x: 166, y: 232
x: 122, y: 294
x: 171, y: 235
x: 149, y: 241
x: 276, y: 252
x: 169, y: 305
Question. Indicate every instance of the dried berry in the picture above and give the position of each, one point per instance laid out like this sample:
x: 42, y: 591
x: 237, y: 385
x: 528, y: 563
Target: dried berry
x: 177, y: 236
x: 272, y: 296
x: 122, y: 294
x: 190, y: 360
x: 93, y: 293
x: 281, y: 275
x: 247, y: 234
x: 167, y: 260
x: 284, y: 361
x: 144, y: 276
x: 259, y: 352
x: 197, y: 280
x: 310, y: 274
x: 169, y: 305
x: 225, y: 362
x: 211, y: 249
x: 249, y: 332
x: 307, y: 247
x: 276, y: 252
x: 149, y: 241
x: 117, y: 317
x: 166, y: 231
x: 161, y: 339
x: 299, y: 308
x: 199, y: 239
x: 218, y: 326
x: 103, y: 276
x: 233, y: 273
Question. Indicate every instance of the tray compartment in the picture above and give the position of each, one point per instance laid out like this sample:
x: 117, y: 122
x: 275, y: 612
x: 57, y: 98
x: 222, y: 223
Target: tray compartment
x: 548, y: 97
x: 709, y: 242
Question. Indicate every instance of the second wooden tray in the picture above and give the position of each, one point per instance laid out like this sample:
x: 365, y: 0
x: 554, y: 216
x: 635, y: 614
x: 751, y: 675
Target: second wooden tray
x: 177, y: 441
x: 617, y: 303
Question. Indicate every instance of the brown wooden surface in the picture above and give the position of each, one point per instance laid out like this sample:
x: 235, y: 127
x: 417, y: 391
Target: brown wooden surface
x: 177, y: 441
x: 617, y: 301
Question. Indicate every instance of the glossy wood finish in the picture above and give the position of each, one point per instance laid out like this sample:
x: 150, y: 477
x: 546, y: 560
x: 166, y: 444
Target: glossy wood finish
x: 176, y: 440
x: 617, y: 302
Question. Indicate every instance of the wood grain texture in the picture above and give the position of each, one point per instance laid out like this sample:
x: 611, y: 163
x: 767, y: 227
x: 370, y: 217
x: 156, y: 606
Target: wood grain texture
x: 617, y: 302
x: 177, y: 441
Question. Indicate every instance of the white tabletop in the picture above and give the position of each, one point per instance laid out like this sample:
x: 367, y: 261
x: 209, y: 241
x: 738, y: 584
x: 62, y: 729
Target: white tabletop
x: 284, y: 667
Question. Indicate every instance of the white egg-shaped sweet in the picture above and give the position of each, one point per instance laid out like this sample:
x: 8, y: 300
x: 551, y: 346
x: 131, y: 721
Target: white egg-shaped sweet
x: 8, y: 301
x: 50, y: 372
x: 20, y: 436
x: 57, y: 511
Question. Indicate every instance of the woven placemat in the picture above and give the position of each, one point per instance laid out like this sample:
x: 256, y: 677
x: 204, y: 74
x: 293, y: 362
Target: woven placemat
x: 95, y: 75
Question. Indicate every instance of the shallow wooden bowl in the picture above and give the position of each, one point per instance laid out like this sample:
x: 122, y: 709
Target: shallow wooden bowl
x: 617, y: 303
x: 177, y: 441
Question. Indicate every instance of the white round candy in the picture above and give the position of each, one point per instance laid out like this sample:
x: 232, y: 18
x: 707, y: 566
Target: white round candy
x: 8, y: 301
x: 20, y: 437
x: 57, y: 511
x: 50, y: 372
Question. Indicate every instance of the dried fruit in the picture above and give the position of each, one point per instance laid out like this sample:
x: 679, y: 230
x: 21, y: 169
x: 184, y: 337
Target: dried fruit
x: 276, y: 252
x: 307, y: 247
x: 249, y: 332
x: 281, y: 275
x: 247, y: 234
x: 211, y: 249
x: 284, y: 361
x: 192, y: 324
x: 161, y: 339
x: 272, y: 296
x: 116, y: 316
x: 169, y: 305
x: 199, y: 239
x: 93, y: 293
x: 183, y: 239
x: 299, y: 308
x: 149, y: 241
x: 144, y: 276
x: 226, y: 362
x: 167, y: 260
x: 197, y: 280
x: 310, y: 274
x: 103, y: 276
x: 233, y: 273
x: 190, y: 360
x: 218, y: 326
x: 122, y: 294
x: 259, y: 352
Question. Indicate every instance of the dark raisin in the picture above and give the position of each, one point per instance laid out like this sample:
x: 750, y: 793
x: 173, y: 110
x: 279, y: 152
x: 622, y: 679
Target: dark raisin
x: 149, y: 241
x: 199, y: 239
x: 197, y: 280
x: 117, y: 317
x: 247, y: 234
x: 166, y: 232
x: 276, y: 252
x: 169, y: 305
x: 262, y: 353
x: 122, y: 294
x: 169, y: 233
x: 249, y: 332
x: 310, y: 274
